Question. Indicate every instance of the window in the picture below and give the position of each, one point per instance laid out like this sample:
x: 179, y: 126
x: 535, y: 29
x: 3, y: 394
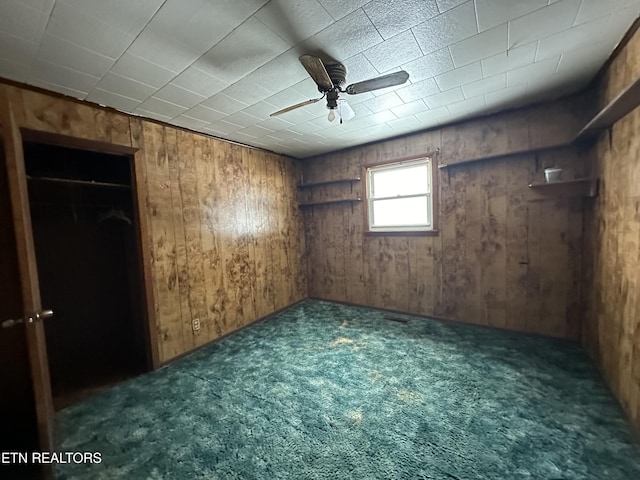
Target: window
x: 400, y: 196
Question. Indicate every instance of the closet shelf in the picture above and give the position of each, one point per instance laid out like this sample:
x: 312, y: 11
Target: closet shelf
x: 580, y: 187
x: 72, y: 181
x: 328, y: 202
x: 329, y: 182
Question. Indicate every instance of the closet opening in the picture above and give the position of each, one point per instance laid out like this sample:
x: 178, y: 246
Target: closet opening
x: 85, y: 230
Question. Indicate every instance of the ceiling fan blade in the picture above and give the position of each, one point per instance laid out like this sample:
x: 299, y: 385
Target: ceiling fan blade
x: 397, y: 78
x: 316, y: 69
x: 297, y: 105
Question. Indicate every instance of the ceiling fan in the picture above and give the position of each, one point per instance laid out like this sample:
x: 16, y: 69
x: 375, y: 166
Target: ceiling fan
x: 330, y: 78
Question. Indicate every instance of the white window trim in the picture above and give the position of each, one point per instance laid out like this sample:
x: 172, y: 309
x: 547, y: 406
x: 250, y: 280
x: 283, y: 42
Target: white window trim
x: 371, y: 170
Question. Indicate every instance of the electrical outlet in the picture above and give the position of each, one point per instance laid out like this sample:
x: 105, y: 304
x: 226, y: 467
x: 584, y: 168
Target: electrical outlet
x: 195, y: 324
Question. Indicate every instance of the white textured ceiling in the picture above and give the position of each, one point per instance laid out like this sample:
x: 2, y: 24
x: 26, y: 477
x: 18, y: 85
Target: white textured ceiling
x: 222, y: 66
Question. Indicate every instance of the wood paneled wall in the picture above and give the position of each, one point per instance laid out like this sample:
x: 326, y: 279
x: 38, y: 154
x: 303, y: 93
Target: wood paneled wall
x: 612, y: 226
x: 544, y: 126
x: 224, y: 239
x: 504, y: 256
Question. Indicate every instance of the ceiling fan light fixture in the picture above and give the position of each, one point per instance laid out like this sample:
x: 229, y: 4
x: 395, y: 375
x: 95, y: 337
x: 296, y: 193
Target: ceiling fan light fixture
x: 345, y: 111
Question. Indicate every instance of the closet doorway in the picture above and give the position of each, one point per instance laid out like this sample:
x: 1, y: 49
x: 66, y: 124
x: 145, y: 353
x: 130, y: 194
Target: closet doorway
x: 85, y: 231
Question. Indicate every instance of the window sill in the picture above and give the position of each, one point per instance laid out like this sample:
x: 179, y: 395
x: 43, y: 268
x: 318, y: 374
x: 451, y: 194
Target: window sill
x: 409, y: 233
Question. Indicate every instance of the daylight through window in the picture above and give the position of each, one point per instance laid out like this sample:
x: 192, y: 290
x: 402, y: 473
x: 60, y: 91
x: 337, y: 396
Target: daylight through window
x: 400, y: 196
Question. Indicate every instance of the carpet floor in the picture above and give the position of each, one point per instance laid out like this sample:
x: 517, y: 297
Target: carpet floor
x: 327, y: 391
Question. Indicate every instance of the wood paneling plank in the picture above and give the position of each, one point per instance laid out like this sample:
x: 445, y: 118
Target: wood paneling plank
x: 516, y: 233
x: 206, y: 183
x: 575, y: 245
x: 190, y: 149
x: 492, y: 244
x: 473, y: 308
x: 179, y: 237
x: 449, y: 244
x: 168, y: 311
x: 553, y: 266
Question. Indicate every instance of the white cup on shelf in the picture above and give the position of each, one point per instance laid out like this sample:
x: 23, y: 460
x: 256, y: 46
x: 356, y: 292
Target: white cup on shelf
x: 552, y: 174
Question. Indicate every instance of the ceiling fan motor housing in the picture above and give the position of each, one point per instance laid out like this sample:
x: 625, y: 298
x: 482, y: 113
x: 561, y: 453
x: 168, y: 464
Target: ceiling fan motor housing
x: 332, y: 98
x: 337, y: 73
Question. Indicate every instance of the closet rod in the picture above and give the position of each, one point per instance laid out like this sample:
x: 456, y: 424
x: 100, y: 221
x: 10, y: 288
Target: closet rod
x: 78, y: 182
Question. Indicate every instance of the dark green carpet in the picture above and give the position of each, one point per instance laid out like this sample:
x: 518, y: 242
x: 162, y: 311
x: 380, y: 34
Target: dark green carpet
x: 326, y: 391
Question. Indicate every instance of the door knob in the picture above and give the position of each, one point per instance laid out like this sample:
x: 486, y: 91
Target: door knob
x: 11, y: 322
x: 44, y: 314
x: 30, y: 319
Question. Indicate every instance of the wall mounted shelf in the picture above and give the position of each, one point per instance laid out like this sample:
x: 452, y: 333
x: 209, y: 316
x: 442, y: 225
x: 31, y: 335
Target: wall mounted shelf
x: 580, y: 187
x: 620, y: 106
x: 329, y: 182
x: 498, y: 156
x: 327, y: 202
x: 626, y: 101
x: 350, y: 180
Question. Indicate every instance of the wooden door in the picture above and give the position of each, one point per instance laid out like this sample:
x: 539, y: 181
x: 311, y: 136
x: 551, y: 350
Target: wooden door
x: 28, y: 275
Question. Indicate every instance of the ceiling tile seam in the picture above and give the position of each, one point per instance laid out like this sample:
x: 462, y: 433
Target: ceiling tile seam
x: 170, y: 103
x: 62, y: 87
x: 393, y: 69
x: 372, y: 24
x: 326, y: 11
x: 46, y: 25
x: 598, y: 20
x: 269, y: 28
x: 133, y: 79
x: 186, y: 90
x: 97, y: 89
x: 509, y: 46
x: 82, y: 47
x: 454, y: 63
x: 121, y: 55
x: 550, y: 4
x: 23, y: 40
x: 536, y: 56
x: 240, y: 79
x: 575, y: 19
x: 18, y: 64
x: 74, y: 71
x: 177, y: 74
x: 254, y: 14
x: 511, y: 20
x: 143, y: 27
x: 555, y: 70
x: 194, y: 118
x: 413, y: 34
x: 475, y: 12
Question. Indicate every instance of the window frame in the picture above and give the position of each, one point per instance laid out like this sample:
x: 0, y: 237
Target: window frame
x: 431, y: 158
